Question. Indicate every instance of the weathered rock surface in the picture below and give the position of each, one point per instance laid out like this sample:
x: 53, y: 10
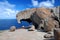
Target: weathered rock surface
x: 57, y: 34
x: 48, y: 36
x: 50, y: 25
x: 32, y: 28
x: 25, y: 14
x: 40, y: 17
x: 22, y: 34
x: 56, y: 11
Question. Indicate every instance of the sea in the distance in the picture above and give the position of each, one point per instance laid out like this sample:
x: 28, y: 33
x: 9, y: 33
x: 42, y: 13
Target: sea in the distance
x: 5, y: 24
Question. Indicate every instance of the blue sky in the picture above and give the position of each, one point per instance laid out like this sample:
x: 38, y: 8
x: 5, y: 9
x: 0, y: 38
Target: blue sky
x: 9, y: 8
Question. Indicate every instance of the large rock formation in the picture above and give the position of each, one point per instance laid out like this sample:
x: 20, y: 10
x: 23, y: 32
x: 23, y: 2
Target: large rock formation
x: 40, y: 17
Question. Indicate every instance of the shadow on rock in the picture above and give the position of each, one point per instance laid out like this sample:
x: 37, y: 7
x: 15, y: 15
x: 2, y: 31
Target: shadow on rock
x: 49, y: 39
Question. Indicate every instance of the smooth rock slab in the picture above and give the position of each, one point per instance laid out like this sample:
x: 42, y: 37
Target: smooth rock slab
x: 22, y: 34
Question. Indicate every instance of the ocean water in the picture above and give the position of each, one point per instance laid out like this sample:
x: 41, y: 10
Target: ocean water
x: 7, y: 23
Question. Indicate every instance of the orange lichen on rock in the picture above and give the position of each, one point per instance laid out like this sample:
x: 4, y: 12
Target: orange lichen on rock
x: 43, y: 13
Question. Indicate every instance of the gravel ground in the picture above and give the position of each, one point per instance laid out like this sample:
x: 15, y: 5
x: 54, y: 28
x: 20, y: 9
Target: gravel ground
x: 22, y: 34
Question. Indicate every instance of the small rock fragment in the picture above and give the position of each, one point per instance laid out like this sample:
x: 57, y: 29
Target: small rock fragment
x: 12, y: 28
x: 32, y: 28
x: 48, y: 36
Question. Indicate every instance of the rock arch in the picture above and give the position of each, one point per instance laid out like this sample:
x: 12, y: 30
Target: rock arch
x: 36, y: 15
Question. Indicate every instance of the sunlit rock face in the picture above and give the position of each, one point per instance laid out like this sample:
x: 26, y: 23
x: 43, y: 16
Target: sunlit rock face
x: 25, y: 14
x: 40, y: 17
x: 56, y: 11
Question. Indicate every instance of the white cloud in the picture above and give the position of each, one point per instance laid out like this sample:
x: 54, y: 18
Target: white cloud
x: 35, y: 3
x: 47, y: 4
x: 7, y: 10
x: 27, y: 8
x: 6, y: 4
